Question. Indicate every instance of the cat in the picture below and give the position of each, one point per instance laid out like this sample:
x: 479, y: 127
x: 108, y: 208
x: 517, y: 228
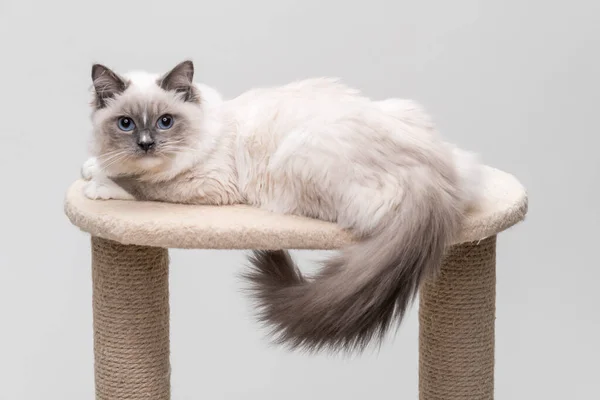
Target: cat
x: 315, y: 148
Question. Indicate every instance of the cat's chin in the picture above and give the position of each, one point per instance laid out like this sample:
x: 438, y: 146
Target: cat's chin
x: 150, y: 162
x: 139, y: 166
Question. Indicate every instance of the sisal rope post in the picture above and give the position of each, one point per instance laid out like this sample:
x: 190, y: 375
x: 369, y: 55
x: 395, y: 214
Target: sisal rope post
x: 456, y: 317
x: 131, y: 321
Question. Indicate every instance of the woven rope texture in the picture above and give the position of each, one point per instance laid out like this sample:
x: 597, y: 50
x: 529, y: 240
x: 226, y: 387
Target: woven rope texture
x: 131, y: 321
x: 457, y: 313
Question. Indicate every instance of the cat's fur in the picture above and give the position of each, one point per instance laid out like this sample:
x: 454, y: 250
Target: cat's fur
x: 315, y: 148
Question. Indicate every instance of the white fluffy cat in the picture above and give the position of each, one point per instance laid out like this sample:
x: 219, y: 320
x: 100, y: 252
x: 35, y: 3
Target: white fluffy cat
x: 315, y: 148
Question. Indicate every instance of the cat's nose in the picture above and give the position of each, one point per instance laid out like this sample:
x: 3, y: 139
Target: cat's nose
x: 146, y: 145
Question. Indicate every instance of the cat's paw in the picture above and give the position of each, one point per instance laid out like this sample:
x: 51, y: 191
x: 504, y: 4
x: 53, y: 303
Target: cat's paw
x: 90, y: 169
x: 105, y: 190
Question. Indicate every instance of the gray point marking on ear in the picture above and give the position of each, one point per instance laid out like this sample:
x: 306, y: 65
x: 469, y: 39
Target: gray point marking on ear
x: 107, y: 84
x: 181, y: 80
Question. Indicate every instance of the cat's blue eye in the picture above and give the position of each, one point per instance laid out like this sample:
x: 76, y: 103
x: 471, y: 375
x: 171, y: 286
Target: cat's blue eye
x: 165, y: 121
x: 126, y: 124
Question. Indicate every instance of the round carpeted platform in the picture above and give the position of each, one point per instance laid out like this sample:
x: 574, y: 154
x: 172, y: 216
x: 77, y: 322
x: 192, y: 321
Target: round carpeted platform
x: 242, y: 227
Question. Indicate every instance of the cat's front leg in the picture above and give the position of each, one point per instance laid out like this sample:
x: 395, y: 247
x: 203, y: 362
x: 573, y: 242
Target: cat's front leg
x: 99, y: 186
x: 90, y: 169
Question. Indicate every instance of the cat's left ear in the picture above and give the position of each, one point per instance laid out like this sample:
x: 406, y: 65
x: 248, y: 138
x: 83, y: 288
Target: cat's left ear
x: 181, y: 80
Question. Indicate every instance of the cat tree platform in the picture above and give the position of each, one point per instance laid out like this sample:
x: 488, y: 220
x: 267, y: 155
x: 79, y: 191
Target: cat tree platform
x: 130, y: 242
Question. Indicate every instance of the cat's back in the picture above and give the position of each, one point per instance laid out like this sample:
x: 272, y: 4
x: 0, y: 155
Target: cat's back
x: 295, y: 101
x: 323, y: 86
x: 269, y: 115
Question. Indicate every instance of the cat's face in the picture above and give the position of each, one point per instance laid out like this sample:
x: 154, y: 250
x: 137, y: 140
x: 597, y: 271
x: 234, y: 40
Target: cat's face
x: 143, y: 122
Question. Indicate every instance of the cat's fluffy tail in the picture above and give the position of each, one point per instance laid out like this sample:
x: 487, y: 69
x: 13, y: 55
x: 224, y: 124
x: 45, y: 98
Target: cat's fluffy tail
x: 366, y: 289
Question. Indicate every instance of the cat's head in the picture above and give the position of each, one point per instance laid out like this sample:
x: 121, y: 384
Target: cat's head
x: 144, y: 123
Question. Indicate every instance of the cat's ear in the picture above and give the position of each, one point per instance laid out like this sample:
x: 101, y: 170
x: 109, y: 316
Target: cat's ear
x: 107, y: 85
x: 181, y: 80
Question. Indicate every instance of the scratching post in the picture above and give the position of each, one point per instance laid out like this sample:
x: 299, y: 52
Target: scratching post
x: 130, y: 277
x: 131, y: 321
x: 456, y: 317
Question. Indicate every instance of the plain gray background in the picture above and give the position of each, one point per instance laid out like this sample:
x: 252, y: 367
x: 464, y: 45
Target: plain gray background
x: 516, y: 81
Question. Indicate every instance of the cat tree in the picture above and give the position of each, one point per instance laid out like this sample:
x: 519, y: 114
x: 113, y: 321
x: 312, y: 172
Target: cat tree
x: 131, y: 295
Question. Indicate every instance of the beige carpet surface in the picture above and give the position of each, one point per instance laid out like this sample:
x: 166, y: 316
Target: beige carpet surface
x: 242, y: 227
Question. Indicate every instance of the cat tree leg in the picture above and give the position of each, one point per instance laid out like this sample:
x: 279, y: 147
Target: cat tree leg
x: 456, y: 316
x: 131, y: 321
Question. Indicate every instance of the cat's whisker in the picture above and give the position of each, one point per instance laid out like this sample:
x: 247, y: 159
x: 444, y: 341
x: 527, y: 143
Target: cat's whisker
x: 177, y: 150
x: 109, y: 159
x: 112, y: 157
x: 175, y: 141
x: 110, y: 154
x: 117, y: 160
x: 176, y: 146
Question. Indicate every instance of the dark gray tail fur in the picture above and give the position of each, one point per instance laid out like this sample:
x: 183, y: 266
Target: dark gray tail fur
x: 362, y: 292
